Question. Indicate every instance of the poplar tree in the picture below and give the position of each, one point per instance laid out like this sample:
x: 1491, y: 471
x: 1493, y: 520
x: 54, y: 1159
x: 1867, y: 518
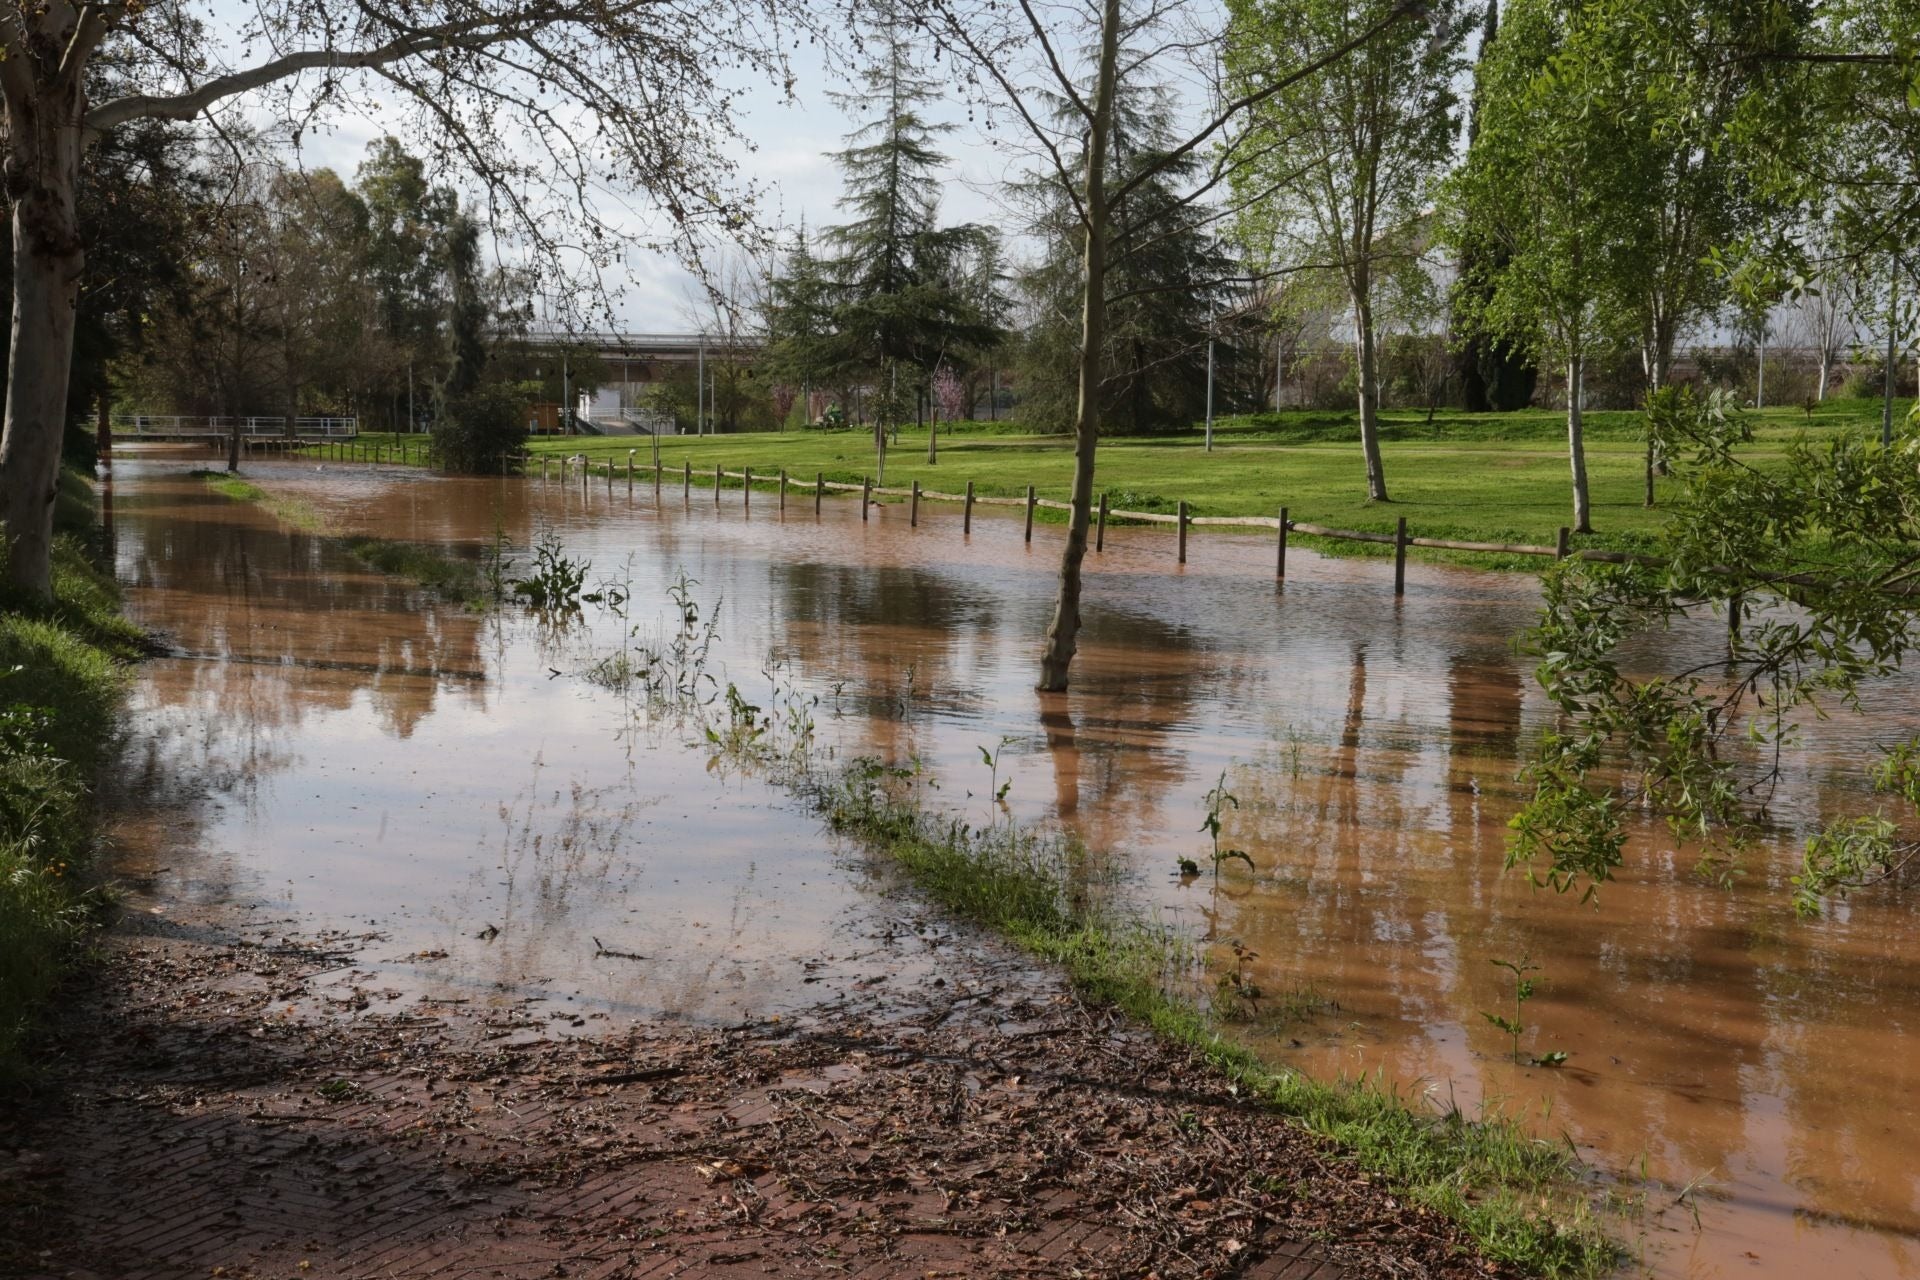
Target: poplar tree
x: 1345, y: 161
x: 1549, y: 184
x: 1495, y: 374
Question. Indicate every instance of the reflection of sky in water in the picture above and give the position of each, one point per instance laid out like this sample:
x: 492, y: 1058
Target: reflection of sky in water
x: 383, y: 758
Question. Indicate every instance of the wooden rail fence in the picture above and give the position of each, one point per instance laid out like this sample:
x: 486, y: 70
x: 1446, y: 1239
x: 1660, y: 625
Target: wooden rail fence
x: 1401, y: 539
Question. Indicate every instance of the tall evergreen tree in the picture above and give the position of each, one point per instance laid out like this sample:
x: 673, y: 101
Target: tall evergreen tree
x: 408, y: 220
x: 1164, y: 268
x: 467, y: 310
x: 899, y: 307
x: 802, y: 349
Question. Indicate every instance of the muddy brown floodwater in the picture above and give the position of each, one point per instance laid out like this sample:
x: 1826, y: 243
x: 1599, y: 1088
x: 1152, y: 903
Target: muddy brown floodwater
x: 329, y: 748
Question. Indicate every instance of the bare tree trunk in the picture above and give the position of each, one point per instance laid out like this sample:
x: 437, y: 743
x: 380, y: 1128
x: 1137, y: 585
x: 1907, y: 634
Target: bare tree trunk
x: 1369, y: 395
x: 1656, y: 365
x: 1577, y: 449
x: 1063, y: 631
x: 43, y: 172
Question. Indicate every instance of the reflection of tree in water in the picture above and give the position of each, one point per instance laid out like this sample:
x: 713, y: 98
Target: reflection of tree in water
x: 233, y: 588
x: 872, y: 625
x: 1114, y: 740
x: 1337, y: 832
x: 271, y: 626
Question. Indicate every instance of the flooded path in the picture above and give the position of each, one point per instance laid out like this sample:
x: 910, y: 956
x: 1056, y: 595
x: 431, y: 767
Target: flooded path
x: 333, y: 749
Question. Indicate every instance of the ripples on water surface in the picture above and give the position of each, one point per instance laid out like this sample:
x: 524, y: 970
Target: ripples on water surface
x: 337, y: 749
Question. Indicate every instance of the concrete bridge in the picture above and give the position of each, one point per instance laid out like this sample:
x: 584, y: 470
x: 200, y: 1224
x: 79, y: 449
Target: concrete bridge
x: 634, y: 362
x: 647, y: 348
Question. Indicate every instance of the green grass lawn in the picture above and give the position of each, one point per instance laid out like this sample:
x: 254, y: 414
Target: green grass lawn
x: 1486, y: 477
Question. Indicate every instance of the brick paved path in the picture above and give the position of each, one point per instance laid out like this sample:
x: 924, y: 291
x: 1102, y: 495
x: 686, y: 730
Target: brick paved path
x: 211, y: 1122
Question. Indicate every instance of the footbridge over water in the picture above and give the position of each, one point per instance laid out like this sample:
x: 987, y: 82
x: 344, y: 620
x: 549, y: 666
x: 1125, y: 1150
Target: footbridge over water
x: 173, y: 426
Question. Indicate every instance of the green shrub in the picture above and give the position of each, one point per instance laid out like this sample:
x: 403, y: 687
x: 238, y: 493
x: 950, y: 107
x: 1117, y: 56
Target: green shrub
x: 482, y: 431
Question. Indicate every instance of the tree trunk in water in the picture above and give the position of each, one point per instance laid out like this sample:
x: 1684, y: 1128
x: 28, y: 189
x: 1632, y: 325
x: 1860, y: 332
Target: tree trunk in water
x: 1063, y: 631
x: 1577, y: 449
x: 1656, y: 378
x: 1369, y: 397
x: 43, y: 172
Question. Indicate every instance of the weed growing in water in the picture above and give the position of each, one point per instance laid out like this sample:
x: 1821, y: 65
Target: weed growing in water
x: 494, y: 563
x: 1218, y: 800
x: 555, y: 579
x: 996, y: 789
x: 1515, y: 1027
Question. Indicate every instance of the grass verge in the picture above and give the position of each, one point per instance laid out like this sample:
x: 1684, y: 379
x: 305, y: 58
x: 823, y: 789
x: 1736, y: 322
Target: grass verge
x: 1521, y: 1199
x: 62, y: 678
x: 1477, y: 477
x: 450, y: 577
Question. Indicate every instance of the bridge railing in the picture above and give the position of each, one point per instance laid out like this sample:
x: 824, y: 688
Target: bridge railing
x: 180, y: 426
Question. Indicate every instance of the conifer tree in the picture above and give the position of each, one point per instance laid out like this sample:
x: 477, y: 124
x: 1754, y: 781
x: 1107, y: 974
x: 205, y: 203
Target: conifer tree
x: 1164, y: 281
x: 897, y: 291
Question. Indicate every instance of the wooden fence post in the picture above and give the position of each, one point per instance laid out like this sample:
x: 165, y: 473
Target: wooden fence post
x: 819, y: 489
x: 746, y: 489
x: 783, y: 491
x: 630, y: 454
x: 1560, y: 544
x: 716, y: 484
x: 1280, y: 560
x: 913, y: 508
x: 866, y: 495
x: 1400, y: 557
x: 686, y: 480
x: 658, y: 467
x: 1029, y: 513
x: 1100, y: 531
x: 1181, y: 516
x: 966, y: 517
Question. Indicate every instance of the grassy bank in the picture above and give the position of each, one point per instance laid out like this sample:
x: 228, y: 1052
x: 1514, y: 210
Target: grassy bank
x: 462, y: 581
x: 61, y: 682
x: 1483, y: 477
x: 1522, y: 1199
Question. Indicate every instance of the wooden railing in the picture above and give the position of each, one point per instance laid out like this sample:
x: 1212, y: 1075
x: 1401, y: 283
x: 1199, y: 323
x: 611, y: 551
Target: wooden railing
x: 1401, y: 539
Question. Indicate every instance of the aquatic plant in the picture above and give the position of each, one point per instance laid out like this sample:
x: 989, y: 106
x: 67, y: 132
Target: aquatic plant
x: 1218, y: 801
x: 996, y: 789
x: 555, y: 579
x: 1515, y: 1027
